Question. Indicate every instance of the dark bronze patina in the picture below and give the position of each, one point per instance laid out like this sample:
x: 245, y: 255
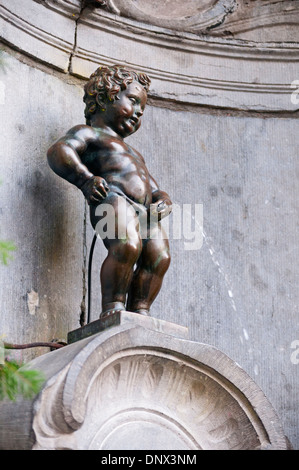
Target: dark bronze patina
x: 95, y: 158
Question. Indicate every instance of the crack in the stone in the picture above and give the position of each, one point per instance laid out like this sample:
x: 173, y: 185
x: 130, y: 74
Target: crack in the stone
x: 228, y: 11
x: 75, y: 38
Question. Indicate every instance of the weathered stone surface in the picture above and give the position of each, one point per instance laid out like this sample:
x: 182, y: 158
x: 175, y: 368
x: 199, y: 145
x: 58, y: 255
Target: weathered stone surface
x: 41, y: 288
x: 133, y: 388
x: 217, y: 72
x: 44, y: 30
x: 202, y: 70
x: 259, y: 21
x: 262, y: 21
x: 191, y: 15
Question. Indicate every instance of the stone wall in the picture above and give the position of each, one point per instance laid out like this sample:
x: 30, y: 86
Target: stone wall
x: 228, y: 142
x: 41, y: 289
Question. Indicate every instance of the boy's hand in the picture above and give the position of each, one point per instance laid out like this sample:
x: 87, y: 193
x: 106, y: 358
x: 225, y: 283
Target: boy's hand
x: 95, y: 190
x: 161, y: 208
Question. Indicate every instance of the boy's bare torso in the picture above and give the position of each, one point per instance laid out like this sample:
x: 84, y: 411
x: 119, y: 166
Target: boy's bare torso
x: 120, y: 165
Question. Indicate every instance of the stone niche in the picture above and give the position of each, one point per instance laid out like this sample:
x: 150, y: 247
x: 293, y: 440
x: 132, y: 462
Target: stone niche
x: 202, y: 54
x: 140, y: 384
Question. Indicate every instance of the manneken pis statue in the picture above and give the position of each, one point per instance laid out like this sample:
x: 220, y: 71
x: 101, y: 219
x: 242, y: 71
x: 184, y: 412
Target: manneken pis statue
x: 113, y: 175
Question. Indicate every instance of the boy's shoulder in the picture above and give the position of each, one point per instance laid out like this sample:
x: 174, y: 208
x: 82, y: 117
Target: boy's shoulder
x: 95, y: 135
x: 91, y: 134
x: 82, y: 131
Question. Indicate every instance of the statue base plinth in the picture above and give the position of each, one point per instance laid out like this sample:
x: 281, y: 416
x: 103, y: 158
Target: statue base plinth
x: 129, y: 382
x: 125, y: 318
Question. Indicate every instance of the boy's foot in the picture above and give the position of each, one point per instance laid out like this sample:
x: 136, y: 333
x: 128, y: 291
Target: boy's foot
x: 143, y: 311
x: 111, y: 309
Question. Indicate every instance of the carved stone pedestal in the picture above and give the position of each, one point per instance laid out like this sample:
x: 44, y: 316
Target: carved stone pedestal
x: 138, y: 384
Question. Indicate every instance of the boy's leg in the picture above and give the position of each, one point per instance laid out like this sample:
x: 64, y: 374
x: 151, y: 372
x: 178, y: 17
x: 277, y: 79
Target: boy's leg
x: 124, y: 246
x: 148, y: 277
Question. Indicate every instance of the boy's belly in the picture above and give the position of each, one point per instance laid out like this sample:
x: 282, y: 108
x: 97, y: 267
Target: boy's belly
x: 125, y: 172
x: 134, y: 188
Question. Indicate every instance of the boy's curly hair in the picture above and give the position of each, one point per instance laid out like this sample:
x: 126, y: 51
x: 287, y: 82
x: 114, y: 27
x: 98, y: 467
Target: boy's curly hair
x: 105, y: 83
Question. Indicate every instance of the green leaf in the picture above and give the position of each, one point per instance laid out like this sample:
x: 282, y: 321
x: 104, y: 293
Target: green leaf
x: 16, y: 379
x: 30, y: 382
x: 5, y: 249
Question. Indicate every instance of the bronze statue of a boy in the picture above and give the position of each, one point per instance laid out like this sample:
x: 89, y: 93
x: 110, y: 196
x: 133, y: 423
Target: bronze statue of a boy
x: 95, y: 158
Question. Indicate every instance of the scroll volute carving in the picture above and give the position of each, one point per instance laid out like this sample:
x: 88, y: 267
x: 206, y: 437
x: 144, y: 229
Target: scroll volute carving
x: 137, y: 396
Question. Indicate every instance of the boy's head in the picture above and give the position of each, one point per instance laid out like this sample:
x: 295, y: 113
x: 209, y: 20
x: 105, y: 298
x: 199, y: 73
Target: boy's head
x: 105, y: 84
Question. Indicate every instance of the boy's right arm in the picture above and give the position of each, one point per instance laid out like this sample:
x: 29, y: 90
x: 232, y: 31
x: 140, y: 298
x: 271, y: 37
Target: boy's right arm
x: 64, y: 159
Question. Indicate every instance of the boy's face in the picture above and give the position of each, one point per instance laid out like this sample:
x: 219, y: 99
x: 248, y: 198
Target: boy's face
x: 124, y: 114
